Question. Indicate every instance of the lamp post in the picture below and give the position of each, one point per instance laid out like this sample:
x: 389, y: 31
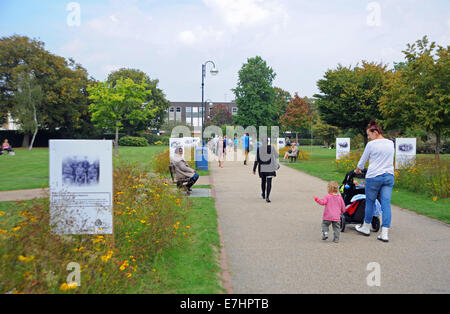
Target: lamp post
x: 213, y: 72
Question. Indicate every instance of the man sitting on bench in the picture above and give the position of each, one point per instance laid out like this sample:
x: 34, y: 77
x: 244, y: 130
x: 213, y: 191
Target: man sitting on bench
x: 182, y: 169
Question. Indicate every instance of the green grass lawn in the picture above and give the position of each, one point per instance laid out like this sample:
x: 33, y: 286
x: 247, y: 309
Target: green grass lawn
x: 322, y: 165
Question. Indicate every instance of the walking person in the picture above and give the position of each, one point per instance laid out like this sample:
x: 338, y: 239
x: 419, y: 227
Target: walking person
x: 267, y: 163
x: 246, y: 146
x: 379, y: 178
x: 334, y: 207
x: 220, y: 149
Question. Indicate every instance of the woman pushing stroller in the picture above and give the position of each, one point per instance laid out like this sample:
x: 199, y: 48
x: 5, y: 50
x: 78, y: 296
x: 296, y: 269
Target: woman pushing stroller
x: 379, y: 178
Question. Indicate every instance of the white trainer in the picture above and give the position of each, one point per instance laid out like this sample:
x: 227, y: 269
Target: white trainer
x: 384, y: 235
x: 364, y: 229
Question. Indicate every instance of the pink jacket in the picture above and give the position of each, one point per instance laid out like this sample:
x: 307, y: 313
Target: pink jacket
x: 334, y: 206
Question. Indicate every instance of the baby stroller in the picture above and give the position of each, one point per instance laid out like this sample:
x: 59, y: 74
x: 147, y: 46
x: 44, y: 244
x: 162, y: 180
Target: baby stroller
x: 355, y: 202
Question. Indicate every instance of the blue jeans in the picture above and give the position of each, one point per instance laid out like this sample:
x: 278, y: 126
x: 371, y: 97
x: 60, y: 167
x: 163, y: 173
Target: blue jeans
x: 381, y: 185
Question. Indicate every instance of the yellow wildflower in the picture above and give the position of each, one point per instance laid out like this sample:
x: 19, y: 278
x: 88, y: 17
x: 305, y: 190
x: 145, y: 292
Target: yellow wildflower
x: 68, y: 286
x: 26, y: 259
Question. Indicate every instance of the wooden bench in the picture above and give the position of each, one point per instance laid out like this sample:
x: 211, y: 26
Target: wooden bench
x: 180, y: 183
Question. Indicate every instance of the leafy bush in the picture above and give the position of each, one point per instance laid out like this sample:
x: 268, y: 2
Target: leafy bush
x: 149, y: 218
x: 426, y: 176
x: 133, y: 141
x: 161, y: 163
x: 348, y: 162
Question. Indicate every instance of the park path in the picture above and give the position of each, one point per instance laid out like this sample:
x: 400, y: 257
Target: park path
x: 23, y: 195
x: 277, y: 247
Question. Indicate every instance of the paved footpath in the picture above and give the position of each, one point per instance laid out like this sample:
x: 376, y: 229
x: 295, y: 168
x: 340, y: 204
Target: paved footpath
x: 277, y: 247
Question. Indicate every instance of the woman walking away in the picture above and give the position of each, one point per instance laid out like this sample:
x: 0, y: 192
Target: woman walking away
x: 267, y: 163
x: 379, y: 178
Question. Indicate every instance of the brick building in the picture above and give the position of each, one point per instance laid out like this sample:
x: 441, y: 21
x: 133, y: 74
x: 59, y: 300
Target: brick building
x: 191, y: 112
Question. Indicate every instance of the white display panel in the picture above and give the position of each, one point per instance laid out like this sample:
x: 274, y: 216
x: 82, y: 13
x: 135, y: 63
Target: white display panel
x: 342, y: 147
x: 281, y: 143
x: 405, y: 152
x: 81, y: 187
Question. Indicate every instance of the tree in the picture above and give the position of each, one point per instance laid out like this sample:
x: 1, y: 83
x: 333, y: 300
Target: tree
x: 255, y: 95
x: 282, y: 99
x: 417, y: 93
x: 124, y: 102
x: 349, y: 98
x: 63, y: 82
x: 29, y: 97
x: 298, y: 115
x: 325, y: 132
x: 157, y: 97
x: 220, y: 115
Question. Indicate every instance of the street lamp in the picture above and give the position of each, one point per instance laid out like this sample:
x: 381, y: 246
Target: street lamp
x: 213, y: 72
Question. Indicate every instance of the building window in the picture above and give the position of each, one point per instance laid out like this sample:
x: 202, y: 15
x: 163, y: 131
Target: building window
x: 234, y: 110
x: 178, y: 109
x: 172, y: 109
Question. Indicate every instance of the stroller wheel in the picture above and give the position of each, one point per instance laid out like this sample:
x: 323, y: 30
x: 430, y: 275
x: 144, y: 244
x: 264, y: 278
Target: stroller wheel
x: 375, y: 224
x: 342, y: 223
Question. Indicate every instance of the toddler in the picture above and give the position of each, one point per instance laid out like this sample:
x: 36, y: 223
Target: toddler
x: 334, y: 206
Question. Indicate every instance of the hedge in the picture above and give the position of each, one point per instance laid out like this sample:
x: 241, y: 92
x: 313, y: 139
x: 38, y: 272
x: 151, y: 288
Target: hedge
x: 133, y: 141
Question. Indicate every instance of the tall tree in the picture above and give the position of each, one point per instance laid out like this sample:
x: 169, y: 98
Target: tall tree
x: 417, y: 93
x: 124, y: 102
x: 63, y: 83
x: 29, y: 97
x: 298, y: 115
x: 156, y: 97
x: 255, y: 95
x: 349, y: 97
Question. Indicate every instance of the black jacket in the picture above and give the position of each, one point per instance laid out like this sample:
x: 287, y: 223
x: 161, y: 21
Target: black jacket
x: 269, y: 166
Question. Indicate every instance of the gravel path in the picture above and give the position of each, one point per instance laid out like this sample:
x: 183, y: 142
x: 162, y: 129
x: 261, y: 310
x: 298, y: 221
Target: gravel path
x: 23, y: 195
x: 277, y: 247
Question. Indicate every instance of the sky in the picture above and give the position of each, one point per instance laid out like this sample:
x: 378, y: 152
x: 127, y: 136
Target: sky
x: 171, y: 39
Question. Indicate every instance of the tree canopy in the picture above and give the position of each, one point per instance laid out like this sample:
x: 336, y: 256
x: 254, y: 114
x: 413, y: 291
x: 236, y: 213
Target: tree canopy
x: 417, y: 92
x: 349, y: 96
x: 298, y: 115
x: 63, y: 82
x: 255, y: 95
x: 156, y: 97
x: 123, y: 102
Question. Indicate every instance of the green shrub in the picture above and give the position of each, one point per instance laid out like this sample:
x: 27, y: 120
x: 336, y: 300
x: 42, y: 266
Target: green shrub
x: 133, y: 141
x: 307, y: 141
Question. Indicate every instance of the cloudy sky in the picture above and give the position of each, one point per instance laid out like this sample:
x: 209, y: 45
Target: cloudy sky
x: 170, y: 39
